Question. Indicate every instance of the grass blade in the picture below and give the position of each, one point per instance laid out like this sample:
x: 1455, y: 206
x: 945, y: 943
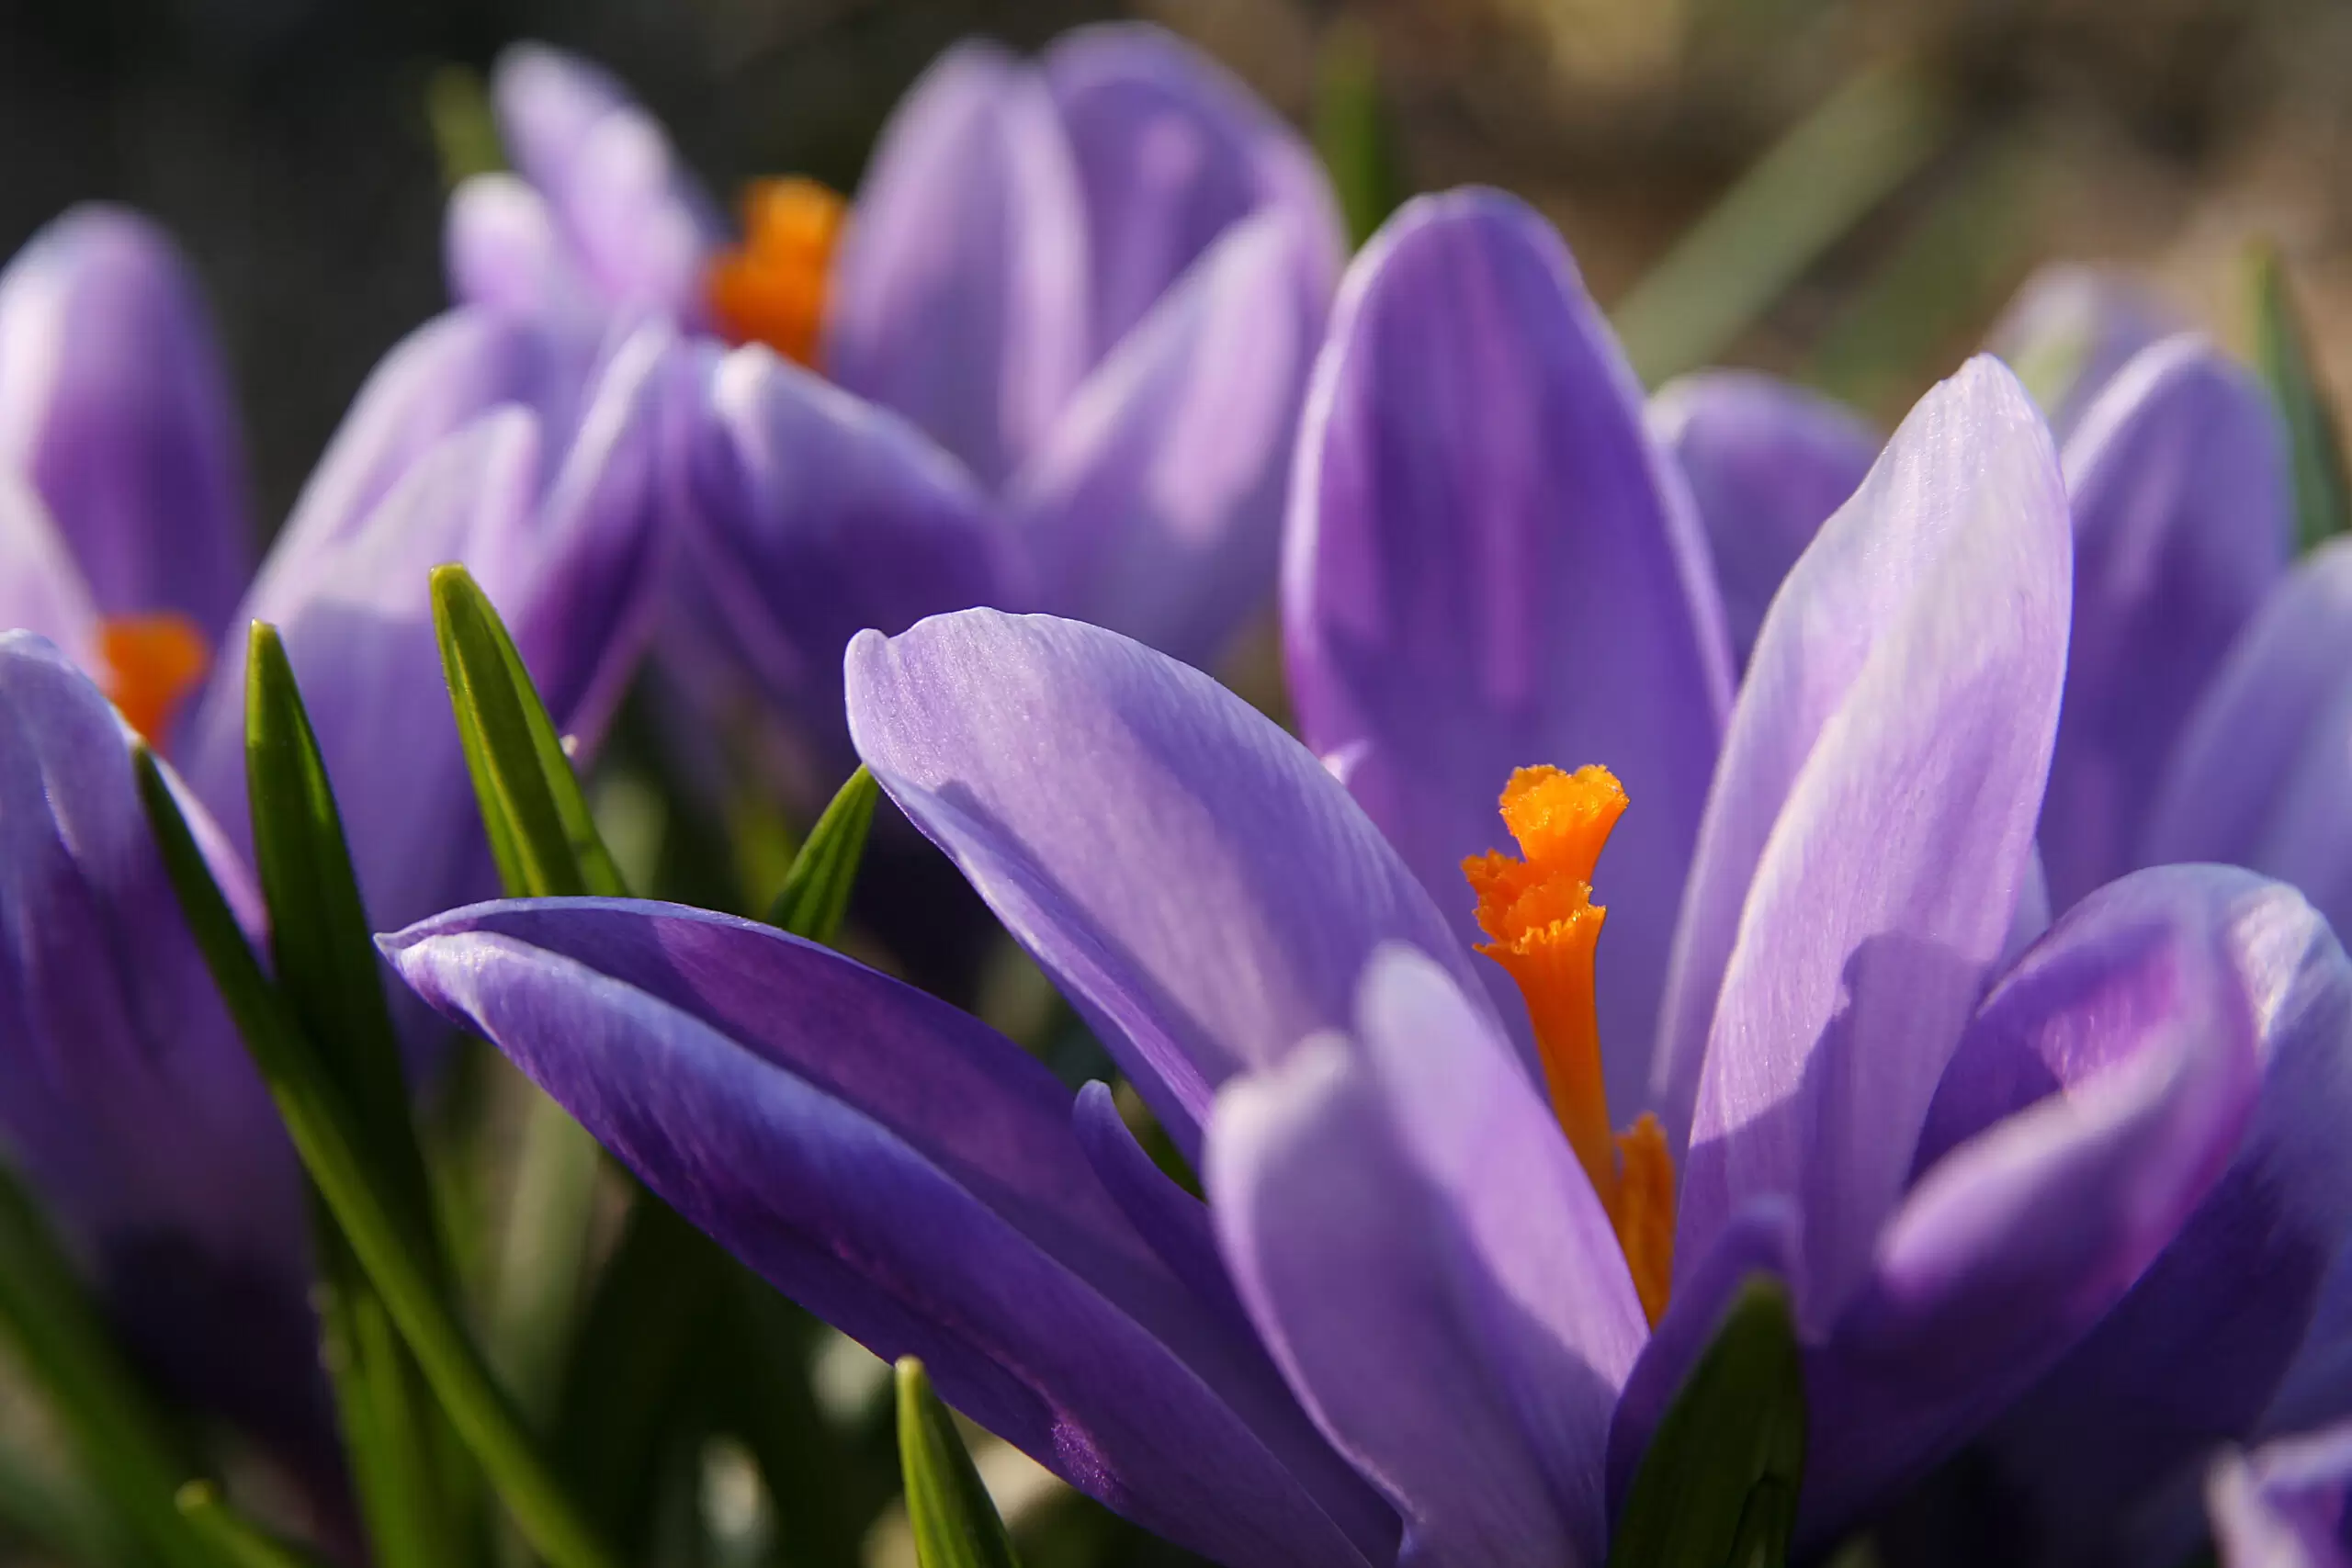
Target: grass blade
x: 815, y: 896
x: 2316, y: 438
x: 235, y: 1539
x: 956, y: 1523
x: 1353, y: 133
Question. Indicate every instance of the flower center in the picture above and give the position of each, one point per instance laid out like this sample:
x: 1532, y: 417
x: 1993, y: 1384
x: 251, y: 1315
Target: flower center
x: 1539, y: 912
x: 771, y: 289
x: 150, y: 663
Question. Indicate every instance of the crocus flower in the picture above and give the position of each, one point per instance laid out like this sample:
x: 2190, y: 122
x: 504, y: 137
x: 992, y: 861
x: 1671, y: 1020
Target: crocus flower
x: 1427, y: 1242
x: 2283, y: 1505
x: 1052, y: 356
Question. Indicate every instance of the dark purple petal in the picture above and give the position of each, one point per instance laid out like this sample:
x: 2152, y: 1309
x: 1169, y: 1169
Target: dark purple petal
x: 2258, y: 778
x: 1171, y: 151
x: 1491, y: 565
x: 2182, y: 524
x: 1428, y: 1262
x: 1155, y: 508
x: 2283, y: 1505
x: 911, y: 1176
x: 2092, y: 1107
x: 1871, y: 828
x: 1188, y: 873
x: 2067, y: 333
x: 1768, y: 462
x: 959, y: 295
x: 115, y: 404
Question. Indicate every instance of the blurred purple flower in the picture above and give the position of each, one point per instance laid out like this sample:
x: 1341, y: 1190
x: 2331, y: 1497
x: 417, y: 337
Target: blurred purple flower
x: 1063, y: 341
x: 1960, y: 1159
x: 2283, y: 1505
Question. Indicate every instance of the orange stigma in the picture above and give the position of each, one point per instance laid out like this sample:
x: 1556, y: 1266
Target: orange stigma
x: 771, y: 289
x: 150, y: 663
x: 1544, y: 926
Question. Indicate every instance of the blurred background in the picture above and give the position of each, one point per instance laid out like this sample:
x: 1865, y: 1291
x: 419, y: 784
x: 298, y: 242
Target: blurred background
x: 1939, y: 149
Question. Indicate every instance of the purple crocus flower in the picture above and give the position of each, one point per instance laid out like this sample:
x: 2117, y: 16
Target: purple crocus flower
x: 2283, y: 1505
x: 1404, y: 1324
x: 1062, y: 342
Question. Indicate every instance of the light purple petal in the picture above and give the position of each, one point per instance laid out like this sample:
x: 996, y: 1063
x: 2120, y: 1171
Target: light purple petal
x: 2069, y: 330
x: 547, y: 100
x: 1172, y: 151
x: 41, y: 588
x: 1871, y: 828
x: 2093, y: 1105
x: 2259, y: 776
x: 1188, y: 873
x: 1490, y: 564
x: 819, y: 515
x: 1428, y: 1262
x: 115, y: 404
x: 911, y: 1176
x: 1156, y: 507
x: 1767, y: 462
x: 2182, y: 524
x: 502, y: 247
x: 2283, y: 1505
x: 959, y: 294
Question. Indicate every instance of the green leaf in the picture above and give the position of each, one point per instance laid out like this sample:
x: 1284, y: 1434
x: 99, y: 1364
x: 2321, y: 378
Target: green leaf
x: 2315, y: 441
x: 539, y: 825
x: 956, y: 1523
x: 1718, y: 1487
x: 234, y: 1539
x: 394, y: 1246
x: 815, y: 897
x: 1802, y: 196
x: 1353, y: 133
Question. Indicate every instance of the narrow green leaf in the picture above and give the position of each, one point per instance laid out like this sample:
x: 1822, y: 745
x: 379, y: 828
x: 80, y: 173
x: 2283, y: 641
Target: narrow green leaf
x: 391, y: 1243
x: 1718, y: 1487
x: 464, y: 128
x: 956, y: 1523
x: 2315, y: 437
x: 1354, y: 132
x: 542, y: 1257
x: 45, y: 1507
x: 539, y: 822
x: 234, y: 1539
x: 1804, y: 194
x: 815, y: 891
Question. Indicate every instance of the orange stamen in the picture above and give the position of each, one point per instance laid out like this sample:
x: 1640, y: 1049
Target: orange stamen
x: 151, y: 665
x: 771, y: 289
x: 1544, y: 927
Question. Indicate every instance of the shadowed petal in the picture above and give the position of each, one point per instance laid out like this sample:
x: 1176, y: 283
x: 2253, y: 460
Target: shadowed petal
x: 2178, y: 479
x: 1155, y: 508
x: 1871, y: 828
x: 1489, y: 564
x: 1171, y: 151
x: 1768, y: 462
x: 911, y: 1176
x: 959, y: 297
x: 1428, y: 1262
x: 1188, y: 873
x: 116, y: 406
x: 2283, y: 1505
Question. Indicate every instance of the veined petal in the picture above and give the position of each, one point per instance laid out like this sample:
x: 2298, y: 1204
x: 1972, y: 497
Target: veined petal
x: 2093, y: 1106
x: 116, y: 406
x: 2283, y: 1505
x: 959, y: 295
x: 1870, y: 828
x: 2067, y: 333
x: 1767, y: 462
x: 1189, y: 875
x: 2178, y: 479
x: 2258, y: 778
x: 1489, y: 564
x: 1431, y: 1269
x: 1171, y: 151
x: 1156, y: 507
x: 911, y: 1176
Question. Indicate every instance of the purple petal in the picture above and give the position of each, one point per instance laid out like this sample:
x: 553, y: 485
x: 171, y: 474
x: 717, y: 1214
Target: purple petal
x: 1767, y: 463
x: 911, y: 1176
x: 115, y: 404
x: 502, y: 247
x: 2093, y: 1105
x: 1871, y: 828
x: 2221, y: 1310
x: 2182, y: 523
x: 820, y: 516
x: 2259, y: 776
x: 959, y: 295
x: 1155, y: 508
x: 2283, y: 1505
x: 1430, y: 1266
x: 547, y: 100
x: 40, y: 585
x: 2067, y: 333
x: 1173, y: 151
x: 1188, y: 873
x: 1490, y: 564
